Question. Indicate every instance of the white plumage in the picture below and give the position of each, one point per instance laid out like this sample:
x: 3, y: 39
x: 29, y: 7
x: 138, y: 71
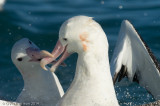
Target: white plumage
x: 92, y: 84
x: 41, y: 87
x: 133, y: 58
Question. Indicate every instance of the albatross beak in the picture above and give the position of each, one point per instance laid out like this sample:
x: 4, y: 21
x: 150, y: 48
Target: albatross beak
x: 36, y: 54
x: 58, y: 50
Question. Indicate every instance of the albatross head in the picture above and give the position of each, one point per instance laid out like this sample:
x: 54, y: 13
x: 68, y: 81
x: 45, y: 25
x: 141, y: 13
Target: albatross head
x: 74, y: 34
x: 25, y: 52
x: 80, y: 34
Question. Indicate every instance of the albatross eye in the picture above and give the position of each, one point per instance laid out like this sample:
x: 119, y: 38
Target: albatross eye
x: 65, y: 39
x: 30, y: 42
x: 19, y: 59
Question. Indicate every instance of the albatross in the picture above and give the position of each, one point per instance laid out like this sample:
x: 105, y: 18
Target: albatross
x: 92, y: 84
x: 134, y: 59
x: 40, y: 87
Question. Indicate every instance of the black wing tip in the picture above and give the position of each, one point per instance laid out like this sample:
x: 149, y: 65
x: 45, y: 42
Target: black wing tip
x: 115, y: 78
x: 120, y: 75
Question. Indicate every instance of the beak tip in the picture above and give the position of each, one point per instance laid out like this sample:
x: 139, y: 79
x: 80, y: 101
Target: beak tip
x: 52, y: 56
x: 53, y: 69
x: 43, y: 65
x: 45, y: 68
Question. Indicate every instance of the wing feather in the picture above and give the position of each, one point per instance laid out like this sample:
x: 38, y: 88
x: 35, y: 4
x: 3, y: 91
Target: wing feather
x: 136, y: 58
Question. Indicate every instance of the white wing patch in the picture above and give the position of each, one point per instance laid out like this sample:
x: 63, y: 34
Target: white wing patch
x: 137, y: 60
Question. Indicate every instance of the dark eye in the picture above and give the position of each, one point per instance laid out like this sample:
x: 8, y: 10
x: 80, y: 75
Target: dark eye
x: 19, y: 59
x: 39, y: 59
x: 65, y: 39
x: 30, y: 42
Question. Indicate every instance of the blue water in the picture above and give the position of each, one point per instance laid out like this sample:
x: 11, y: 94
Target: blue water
x: 40, y: 20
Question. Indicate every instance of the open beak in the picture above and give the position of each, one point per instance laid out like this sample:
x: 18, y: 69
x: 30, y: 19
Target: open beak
x: 36, y: 54
x: 58, y: 50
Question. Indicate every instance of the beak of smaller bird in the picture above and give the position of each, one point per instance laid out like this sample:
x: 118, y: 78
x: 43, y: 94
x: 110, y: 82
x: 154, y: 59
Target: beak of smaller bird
x: 37, y: 55
x: 57, y: 51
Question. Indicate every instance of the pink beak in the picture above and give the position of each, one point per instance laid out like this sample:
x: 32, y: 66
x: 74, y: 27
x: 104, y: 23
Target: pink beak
x: 58, y: 50
x: 36, y: 54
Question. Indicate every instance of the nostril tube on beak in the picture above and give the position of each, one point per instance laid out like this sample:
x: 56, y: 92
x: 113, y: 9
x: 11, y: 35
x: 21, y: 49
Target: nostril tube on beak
x: 35, y: 54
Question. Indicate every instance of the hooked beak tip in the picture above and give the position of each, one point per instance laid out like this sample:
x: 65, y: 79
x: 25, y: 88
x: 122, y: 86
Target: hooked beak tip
x: 53, y: 69
x: 58, y: 50
x: 43, y: 66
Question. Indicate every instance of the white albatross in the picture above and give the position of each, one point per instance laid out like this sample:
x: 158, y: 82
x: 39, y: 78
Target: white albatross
x: 92, y: 84
x: 41, y: 87
x: 133, y: 58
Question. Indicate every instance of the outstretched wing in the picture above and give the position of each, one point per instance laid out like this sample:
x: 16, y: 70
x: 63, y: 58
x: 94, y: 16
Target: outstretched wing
x: 133, y: 58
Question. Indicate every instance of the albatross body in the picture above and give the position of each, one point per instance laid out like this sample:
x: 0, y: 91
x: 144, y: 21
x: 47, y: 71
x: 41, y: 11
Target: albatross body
x: 40, y: 87
x: 133, y: 58
x: 92, y: 84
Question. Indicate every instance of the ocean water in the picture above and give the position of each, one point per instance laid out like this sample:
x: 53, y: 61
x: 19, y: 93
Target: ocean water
x: 40, y: 20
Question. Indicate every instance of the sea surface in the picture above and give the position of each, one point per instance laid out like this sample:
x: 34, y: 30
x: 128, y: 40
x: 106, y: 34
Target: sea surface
x: 40, y: 20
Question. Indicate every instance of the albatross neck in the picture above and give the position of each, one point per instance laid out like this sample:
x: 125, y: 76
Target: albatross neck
x: 90, y: 65
x: 33, y: 74
x: 92, y: 82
